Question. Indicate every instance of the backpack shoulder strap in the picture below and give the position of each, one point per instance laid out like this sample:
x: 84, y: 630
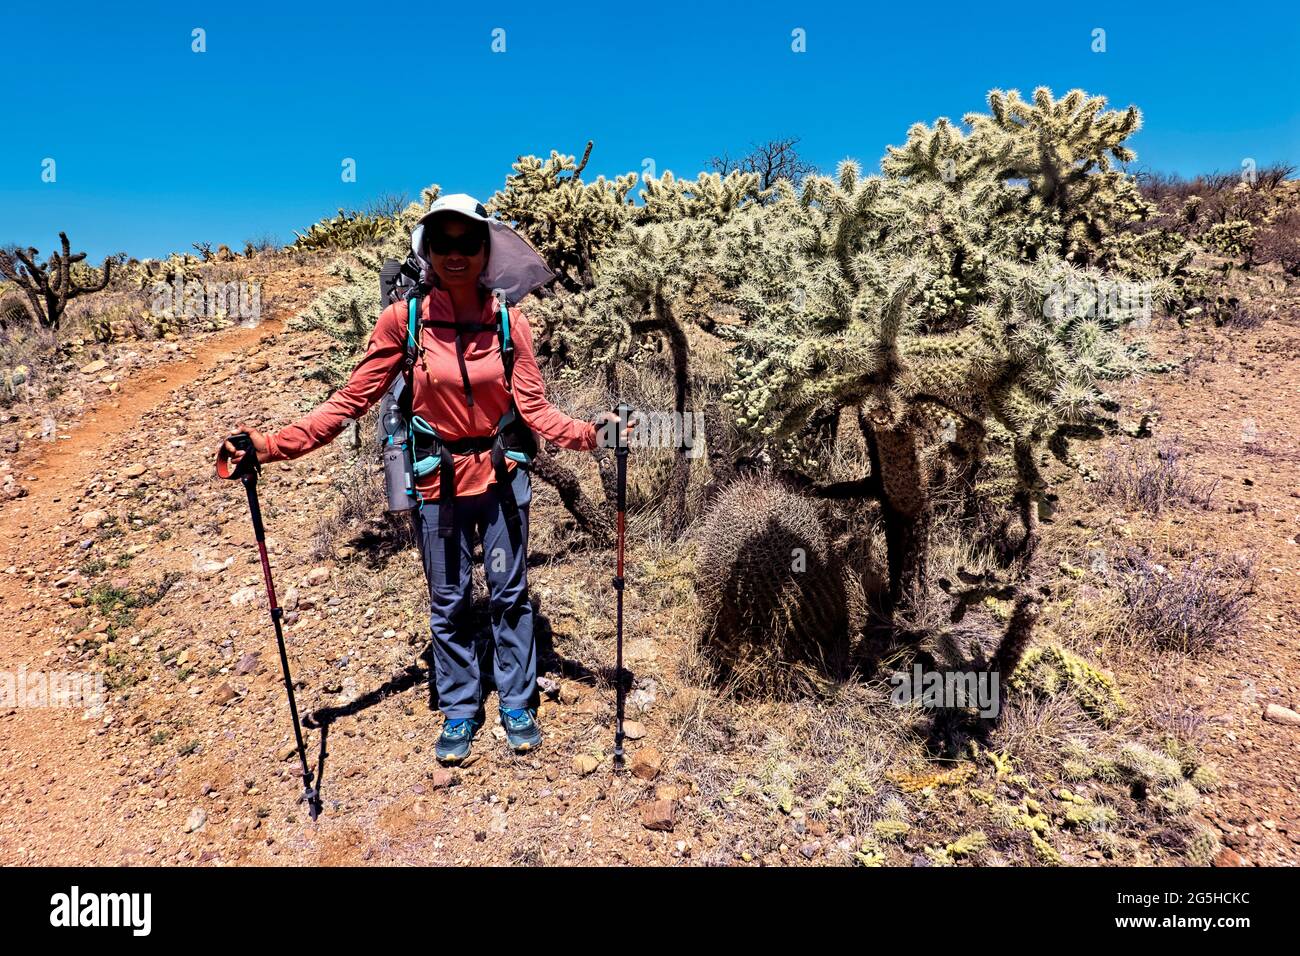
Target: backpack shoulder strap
x: 504, y: 339
x: 406, y: 401
x: 412, y: 322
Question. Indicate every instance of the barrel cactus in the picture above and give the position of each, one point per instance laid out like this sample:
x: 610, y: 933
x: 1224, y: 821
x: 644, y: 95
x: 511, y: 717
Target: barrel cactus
x: 776, y: 590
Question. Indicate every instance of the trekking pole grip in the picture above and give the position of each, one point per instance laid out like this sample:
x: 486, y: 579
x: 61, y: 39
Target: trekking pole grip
x: 624, y: 411
x: 248, y: 465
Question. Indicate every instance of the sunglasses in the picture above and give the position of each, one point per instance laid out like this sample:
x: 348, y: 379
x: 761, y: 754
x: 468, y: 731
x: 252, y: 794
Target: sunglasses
x: 469, y: 244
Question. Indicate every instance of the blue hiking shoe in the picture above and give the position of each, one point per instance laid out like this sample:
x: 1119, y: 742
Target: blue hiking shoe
x: 522, y: 732
x: 454, y: 742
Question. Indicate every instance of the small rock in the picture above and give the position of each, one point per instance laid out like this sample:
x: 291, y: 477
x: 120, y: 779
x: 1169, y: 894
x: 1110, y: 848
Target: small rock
x: 441, y: 778
x: 243, y: 596
x: 318, y: 575
x: 96, y: 366
x: 134, y: 471
x: 810, y: 850
x: 93, y: 519
x: 248, y: 664
x: 210, y: 569
x: 198, y: 817
x: 659, y: 815
x: 225, y: 694
x: 646, y: 763
x: 1228, y: 857
x: 1281, y: 715
x: 569, y: 693
x: 584, y: 764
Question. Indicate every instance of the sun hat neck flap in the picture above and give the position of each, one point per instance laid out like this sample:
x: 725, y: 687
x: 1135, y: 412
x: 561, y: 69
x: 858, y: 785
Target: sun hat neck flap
x: 514, y: 268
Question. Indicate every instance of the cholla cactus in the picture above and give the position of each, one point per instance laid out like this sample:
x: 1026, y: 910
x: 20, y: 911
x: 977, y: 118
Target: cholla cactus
x: 49, y: 286
x: 1071, y: 200
x: 1051, y: 670
x: 347, y: 230
x: 1144, y: 765
x: 347, y: 313
x: 710, y: 196
x: 1065, y: 149
x: 1203, y: 846
x: 569, y: 221
x: 912, y: 309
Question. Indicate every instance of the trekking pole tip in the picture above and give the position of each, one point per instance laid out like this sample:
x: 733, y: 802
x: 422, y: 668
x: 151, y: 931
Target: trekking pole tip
x: 312, y: 799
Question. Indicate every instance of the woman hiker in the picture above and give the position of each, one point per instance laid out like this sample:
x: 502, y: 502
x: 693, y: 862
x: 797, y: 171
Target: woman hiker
x: 460, y: 390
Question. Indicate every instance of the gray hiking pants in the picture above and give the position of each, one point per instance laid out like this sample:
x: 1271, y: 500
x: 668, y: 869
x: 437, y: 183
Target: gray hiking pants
x: 447, y: 561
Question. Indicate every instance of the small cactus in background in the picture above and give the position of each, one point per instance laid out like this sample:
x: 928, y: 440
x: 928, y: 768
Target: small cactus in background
x: 1177, y: 800
x: 967, y: 845
x: 347, y: 230
x: 1139, y: 762
x: 869, y: 854
x: 1046, y: 853
x: 1206, y: 779
x: 891, y: 830
x: 1203, y: 847
x: 1050, y: 670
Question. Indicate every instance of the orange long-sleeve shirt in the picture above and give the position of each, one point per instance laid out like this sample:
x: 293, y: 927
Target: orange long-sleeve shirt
x: 439, y: 396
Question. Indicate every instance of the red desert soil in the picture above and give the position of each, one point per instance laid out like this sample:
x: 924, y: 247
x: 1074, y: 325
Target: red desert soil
x: 194, y: 768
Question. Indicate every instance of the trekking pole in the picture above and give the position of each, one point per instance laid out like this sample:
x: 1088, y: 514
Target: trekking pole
x: 620, y: 457
x: 247, y: 471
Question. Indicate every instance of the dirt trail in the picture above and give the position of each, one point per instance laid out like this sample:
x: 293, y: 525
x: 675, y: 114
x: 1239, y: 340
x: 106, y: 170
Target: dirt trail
x: 63, y: 463
x: 50, y: 744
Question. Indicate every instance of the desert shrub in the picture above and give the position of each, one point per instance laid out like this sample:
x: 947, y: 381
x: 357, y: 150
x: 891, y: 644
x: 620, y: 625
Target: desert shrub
x: 1235, y: 314
x: 1279, y: 242
x: 262, y: 242
x: 1194, y: 608
x: 27, y: 351
x: 1152, y: 483
x: 116, y: 316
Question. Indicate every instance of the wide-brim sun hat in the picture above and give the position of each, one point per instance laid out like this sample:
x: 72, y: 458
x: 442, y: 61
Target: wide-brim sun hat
x: 514, y: 267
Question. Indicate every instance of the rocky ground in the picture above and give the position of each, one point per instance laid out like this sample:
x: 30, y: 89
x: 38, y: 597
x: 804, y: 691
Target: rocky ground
x: 123, y: 555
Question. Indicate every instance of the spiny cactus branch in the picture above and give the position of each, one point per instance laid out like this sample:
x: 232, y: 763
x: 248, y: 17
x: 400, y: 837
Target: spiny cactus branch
x: 49, y: 287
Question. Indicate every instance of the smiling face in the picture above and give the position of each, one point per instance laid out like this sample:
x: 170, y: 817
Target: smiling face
x: 449, y: 236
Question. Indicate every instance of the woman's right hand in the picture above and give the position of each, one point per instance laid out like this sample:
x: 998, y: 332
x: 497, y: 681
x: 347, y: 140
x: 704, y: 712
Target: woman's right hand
x: 260, y: 444
x: 606, y: 436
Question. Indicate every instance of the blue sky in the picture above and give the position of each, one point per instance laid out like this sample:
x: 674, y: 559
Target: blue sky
x: 157, y: 146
